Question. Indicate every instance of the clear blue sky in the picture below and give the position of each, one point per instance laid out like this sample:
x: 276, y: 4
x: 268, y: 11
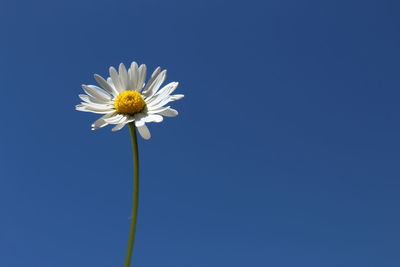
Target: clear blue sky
x: 285, y: 152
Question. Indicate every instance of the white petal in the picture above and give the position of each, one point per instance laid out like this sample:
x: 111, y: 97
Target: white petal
x: 162, y: 94
x: 176, y: 97
x: 85, y: 107
x: 167, y: 89
x: 150, y: 81
x: 139, y: 119
x: 144, y: 132
x: 157, y: 110
x: 103, y: 83
x: 123, y: 76
x: 133, y: 76
x: 85, y: 98
x: 156, y: 105
x: 155, y: 85
x: 114, y: 119
x: 153, y: 118
x: 123, y: 119
x: 139, y: 123
x: 96, y: 92
x: 169, y: 112
x: 101, y: 122
x: 115, y: 79
x: 118, y: 127
x: 110, y: 82
x: 130, y: 119
x: 89, y: 99
x: 97, y: 105
x: 141, y: 78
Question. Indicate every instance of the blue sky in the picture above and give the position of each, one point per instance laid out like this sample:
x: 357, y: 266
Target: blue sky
x: 285, y: 152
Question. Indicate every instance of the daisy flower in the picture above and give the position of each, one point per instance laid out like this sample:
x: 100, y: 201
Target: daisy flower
x: 125, y: 98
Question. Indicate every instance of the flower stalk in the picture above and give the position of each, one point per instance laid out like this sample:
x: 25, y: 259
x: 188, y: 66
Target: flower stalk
x: 135, y: 204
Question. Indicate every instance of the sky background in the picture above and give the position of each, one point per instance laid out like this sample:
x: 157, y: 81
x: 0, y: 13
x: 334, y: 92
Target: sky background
x: 285, y: 152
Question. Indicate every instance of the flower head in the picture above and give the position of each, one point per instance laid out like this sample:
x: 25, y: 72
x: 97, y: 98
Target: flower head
x: 124, y: 97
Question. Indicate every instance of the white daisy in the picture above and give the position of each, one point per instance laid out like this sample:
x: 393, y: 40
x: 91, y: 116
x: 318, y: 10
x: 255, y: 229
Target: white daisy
x: 124, y: 98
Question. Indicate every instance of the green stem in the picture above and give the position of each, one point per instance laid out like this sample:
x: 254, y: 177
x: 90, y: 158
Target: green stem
x: 135, y: 205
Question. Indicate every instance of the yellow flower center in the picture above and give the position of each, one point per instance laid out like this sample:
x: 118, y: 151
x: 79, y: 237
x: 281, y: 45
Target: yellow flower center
x: 129, y: 102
